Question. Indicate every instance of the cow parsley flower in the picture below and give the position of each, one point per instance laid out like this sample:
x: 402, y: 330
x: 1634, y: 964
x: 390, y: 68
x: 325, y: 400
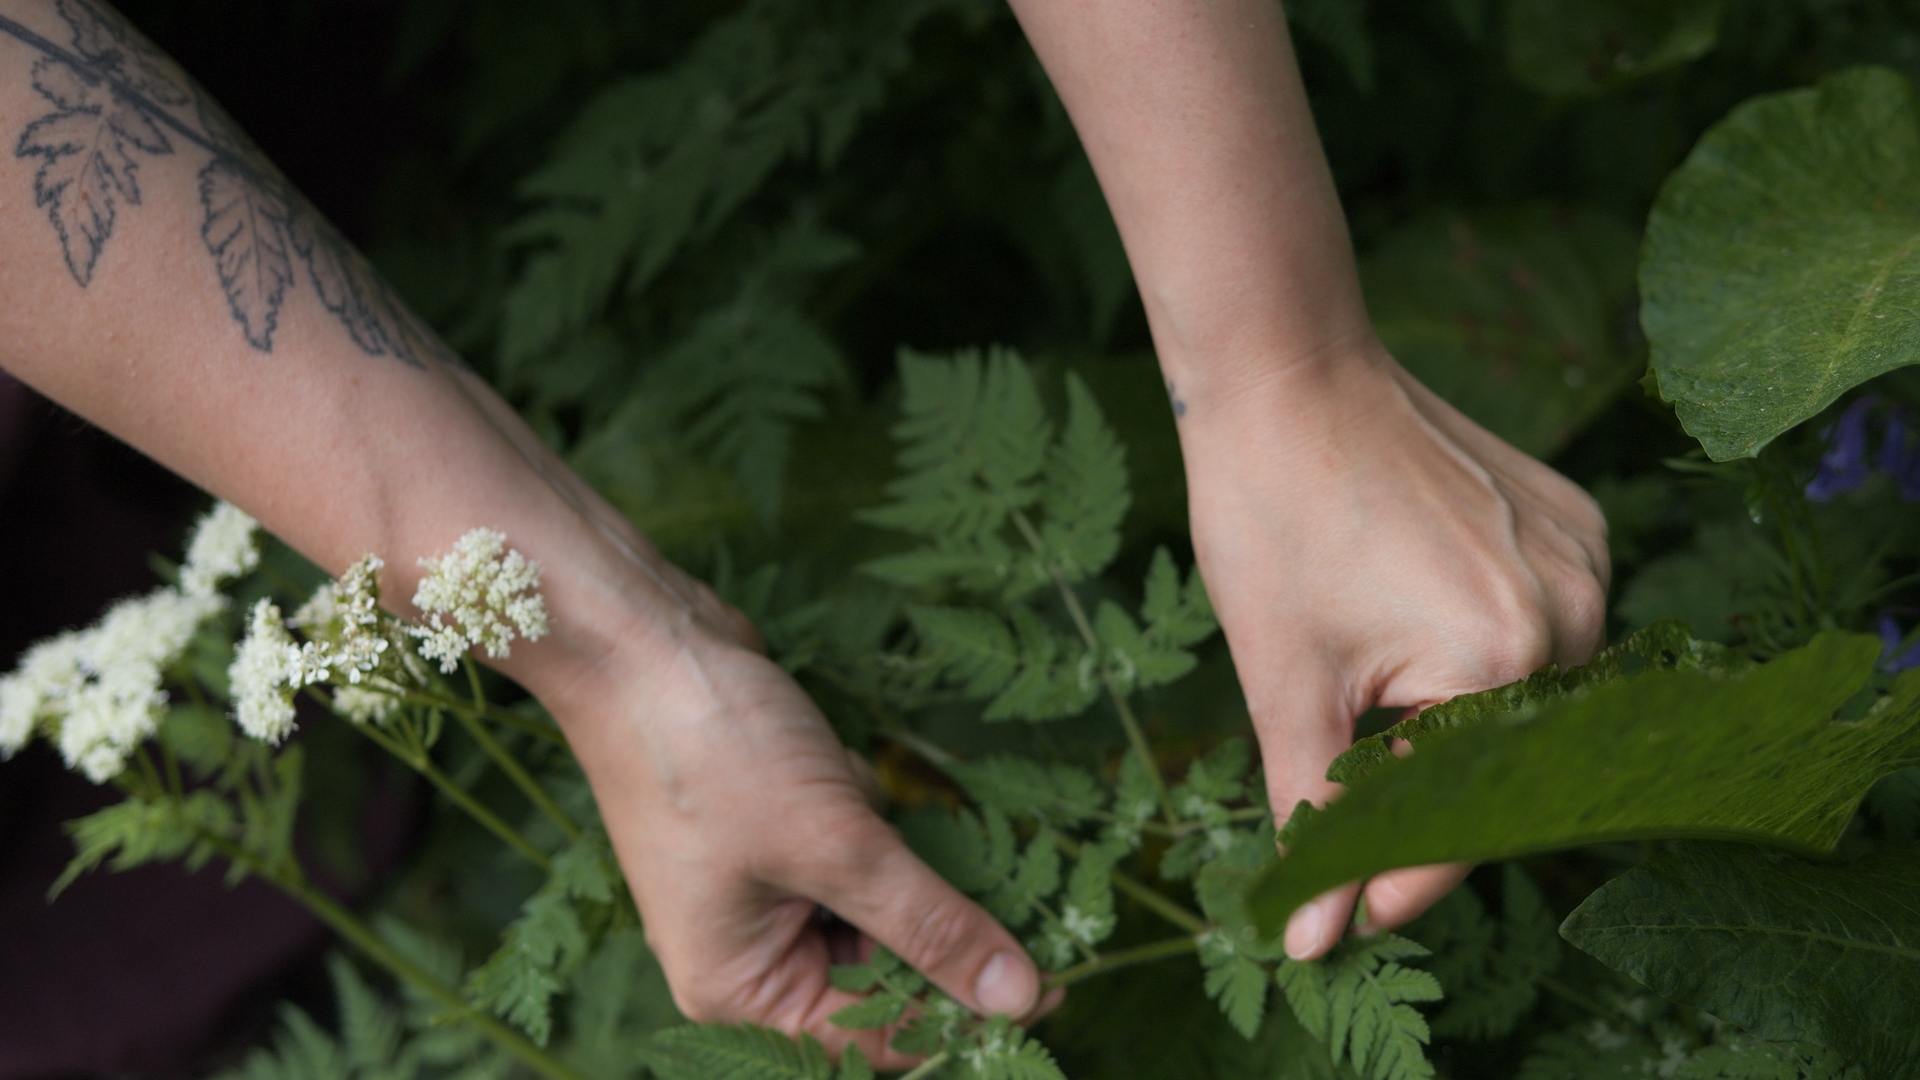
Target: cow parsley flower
x: 267, y: 668
x: 97, y: 692
x: 48, y: 674
x: 222, y: 548
x: 348, y: 636
x: 481, y: 595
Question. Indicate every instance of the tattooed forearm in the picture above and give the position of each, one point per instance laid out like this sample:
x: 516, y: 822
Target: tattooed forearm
x: 116, y: 103
x: 1179, y: 406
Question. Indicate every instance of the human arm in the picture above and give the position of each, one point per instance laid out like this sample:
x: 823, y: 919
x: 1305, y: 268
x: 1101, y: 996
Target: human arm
x: 163, y: 281
x: 1364, y: 543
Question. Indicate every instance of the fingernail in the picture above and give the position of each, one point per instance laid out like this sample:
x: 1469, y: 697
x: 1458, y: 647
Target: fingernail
x: 1305, y: 929
x: 1006, y: 985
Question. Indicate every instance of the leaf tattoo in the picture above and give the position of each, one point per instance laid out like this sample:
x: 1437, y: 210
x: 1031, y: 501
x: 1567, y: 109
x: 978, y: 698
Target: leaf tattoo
x: 88, y: 147
x: 246, y: 230
x: 116, y: 99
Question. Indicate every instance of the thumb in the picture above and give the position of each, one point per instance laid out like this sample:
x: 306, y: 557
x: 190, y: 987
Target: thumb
x: 876, y: 883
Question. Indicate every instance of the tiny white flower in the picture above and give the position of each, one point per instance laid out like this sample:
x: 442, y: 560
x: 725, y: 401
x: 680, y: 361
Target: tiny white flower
x: 266, y: 670
x: 222, y: 549
x: 480, y: 595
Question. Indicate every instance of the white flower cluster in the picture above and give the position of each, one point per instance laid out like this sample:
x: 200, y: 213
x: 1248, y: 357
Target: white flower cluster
x: 222, y: 549
x: 348, y: 640
x: 97, y: 692
x: 264, y: 674
x: 482, y: 595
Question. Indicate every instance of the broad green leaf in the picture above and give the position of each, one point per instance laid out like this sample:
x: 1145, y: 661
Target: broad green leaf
x: 1782, y: 261
x: 1513, y: 316
x: 1681, y: 754
x: 1565, y: 48
x: 1828, y: 955
x: 1661, y: 645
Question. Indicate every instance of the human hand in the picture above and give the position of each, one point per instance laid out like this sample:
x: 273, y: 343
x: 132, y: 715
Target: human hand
x: 736, y: 813
x: 1365, y: 545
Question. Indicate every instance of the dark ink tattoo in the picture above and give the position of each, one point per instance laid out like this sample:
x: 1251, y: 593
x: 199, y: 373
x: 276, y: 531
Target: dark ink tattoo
x: 115, y: 103
x: 1179, y: 407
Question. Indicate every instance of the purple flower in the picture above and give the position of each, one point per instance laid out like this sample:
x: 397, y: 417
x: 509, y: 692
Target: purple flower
x: 1844, y: 466
x: 1891, y: 659
x: 1900, y: 460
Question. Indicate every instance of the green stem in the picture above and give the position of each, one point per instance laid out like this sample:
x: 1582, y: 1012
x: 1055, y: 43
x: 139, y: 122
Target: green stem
x: 503, y: 717
x: 424, y: 765
x: 1114, y: 961
x: 1149, y: 897
x: 1135, y: 736
x: 347, y: 926
x: 1153, y: 900
x: 529, y: 787
x: 175, y: 783
x: 928, y: 1067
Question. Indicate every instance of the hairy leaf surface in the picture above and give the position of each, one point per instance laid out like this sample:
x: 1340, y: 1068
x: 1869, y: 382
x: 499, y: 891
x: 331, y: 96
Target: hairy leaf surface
x: 1677, y: 753
x: 1828, y: 955
x: 1782, y: 261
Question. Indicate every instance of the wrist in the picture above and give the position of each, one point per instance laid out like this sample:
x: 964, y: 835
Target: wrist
x: 616, y: 616
x: 1274, y: 398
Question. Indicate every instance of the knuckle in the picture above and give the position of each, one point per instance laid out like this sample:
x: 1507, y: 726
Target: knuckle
x: 937, y: 936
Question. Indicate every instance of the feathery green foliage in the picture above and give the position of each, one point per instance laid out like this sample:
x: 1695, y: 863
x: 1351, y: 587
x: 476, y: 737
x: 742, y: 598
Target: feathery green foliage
x: 541, y: 949
x: 1357, y: 1002
x: 1489, y: 970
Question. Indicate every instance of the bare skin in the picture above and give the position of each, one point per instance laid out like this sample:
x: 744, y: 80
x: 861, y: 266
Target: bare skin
x: 1365, y: 543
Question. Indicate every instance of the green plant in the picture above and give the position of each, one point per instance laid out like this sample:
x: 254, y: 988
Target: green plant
x: 1004, y: 618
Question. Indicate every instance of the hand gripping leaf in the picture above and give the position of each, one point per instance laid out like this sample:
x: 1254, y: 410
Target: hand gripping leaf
x: 1683, y: 754
x: 1782, y: 261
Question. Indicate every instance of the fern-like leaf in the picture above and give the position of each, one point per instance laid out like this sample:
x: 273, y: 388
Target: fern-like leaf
x: 1022, y: 787
x: 974, y: 440
x: 1357, y: 1002
x: 541, y: 949
x: 1084, y: 490
x: 1236, y: 982
x: 135, y: 832
x: 1490, y: 988
x: 727, y: 1052
x: 1029, y: 671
